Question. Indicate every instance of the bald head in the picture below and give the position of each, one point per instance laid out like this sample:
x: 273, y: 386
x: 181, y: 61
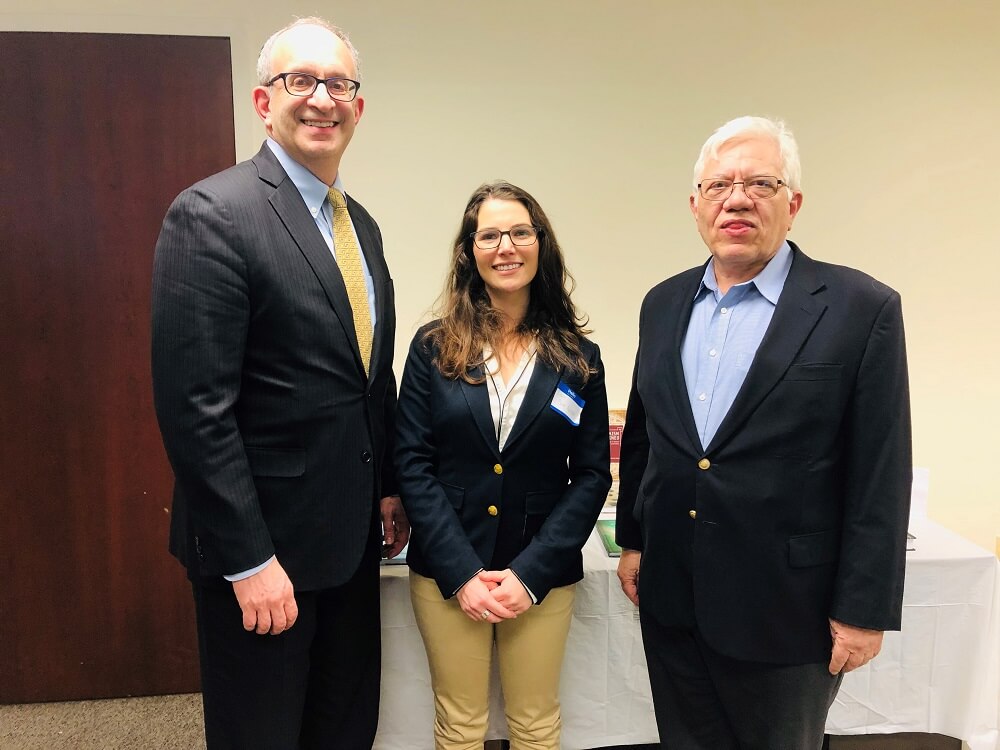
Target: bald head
x: 301, y: 27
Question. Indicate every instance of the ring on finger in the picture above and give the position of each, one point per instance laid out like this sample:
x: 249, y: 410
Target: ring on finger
x: 486, y: 614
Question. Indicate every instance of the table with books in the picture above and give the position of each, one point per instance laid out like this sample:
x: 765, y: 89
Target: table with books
x: 939, y: 675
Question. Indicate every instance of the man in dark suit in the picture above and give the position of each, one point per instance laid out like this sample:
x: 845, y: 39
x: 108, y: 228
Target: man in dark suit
x: 273, y: 328
x: 765, y: 465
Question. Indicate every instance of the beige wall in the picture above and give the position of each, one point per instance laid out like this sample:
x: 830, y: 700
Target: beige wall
x: 599, y: 110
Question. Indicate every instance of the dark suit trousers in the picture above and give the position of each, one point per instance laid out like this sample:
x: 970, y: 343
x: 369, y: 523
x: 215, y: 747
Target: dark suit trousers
x: 706, y: 701
x: 313, y: 686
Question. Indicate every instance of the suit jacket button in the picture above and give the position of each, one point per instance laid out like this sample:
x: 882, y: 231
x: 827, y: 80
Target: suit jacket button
x: 492, y: 510
x: 366, y: 457
x: 704, y: 464
x: 693, y: 513
x: 497, y: 469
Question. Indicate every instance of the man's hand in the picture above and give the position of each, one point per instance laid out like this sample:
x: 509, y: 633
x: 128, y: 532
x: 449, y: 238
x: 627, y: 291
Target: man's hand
x: 628, y: 574
x: 267, y: 600
x: 476, y: 598
x: 510, y: 592
x: 395, y: 527
x: 853, y: 647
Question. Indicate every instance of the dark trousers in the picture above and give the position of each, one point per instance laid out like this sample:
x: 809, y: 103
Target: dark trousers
x: 706, y: 701
x: 313, y: 686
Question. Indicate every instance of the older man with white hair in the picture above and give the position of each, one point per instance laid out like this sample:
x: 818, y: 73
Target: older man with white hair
x: 765, y: 465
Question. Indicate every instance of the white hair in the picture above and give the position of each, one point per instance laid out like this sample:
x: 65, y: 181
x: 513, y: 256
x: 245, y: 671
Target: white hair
x: 748, y: 126
x: 267, y: 51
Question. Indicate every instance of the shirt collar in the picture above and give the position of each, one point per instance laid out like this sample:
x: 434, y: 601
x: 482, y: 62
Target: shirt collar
x: 312, y: 189
x: 769, y: 282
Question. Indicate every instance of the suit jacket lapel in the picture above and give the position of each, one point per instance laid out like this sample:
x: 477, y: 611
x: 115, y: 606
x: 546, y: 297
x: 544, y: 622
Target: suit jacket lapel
x: 539, y: 393
x: 796, y: 314
x: 287, y: 203
x: 537, y: 396
x: 679, y: 311
x: 478, y: 399
x: 371, y: 249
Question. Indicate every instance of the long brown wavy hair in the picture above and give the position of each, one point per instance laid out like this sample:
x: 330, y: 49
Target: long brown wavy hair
x: 468, y: 321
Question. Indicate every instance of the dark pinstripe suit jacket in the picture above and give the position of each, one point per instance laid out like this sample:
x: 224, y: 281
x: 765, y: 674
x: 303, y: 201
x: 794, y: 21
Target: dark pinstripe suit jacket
x: 278, y: 441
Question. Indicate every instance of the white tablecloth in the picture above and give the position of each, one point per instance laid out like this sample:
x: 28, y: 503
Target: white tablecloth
x: 941, y: 674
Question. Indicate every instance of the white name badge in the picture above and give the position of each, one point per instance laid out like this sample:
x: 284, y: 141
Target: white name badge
x: 567, y: 403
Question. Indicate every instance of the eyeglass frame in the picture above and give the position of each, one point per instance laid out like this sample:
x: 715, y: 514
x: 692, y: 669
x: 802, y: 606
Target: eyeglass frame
x: 538, y: 233
x: 316, y: 83
x: 732, y: 187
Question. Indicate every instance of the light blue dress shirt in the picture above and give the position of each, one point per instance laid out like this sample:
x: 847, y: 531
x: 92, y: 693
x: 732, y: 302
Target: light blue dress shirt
x: 314, y: 195
x: 722, y: 338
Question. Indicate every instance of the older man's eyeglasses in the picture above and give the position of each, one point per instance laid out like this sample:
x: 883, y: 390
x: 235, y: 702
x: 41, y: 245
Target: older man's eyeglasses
x: 303, y: 84
x: 719, y: 188
x: 521, y: 235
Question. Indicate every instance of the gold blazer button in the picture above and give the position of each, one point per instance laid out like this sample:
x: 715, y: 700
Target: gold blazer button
x: 693, y: 513
x: 492, y: 510
x: 497, y: 469
x: 704, y: 464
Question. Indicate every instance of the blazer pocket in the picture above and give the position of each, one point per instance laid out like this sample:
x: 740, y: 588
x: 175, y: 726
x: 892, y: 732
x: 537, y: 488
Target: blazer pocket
x: 268, y: 462
x: 814, y: 372
x: 542, y: 502
x: 809, y: 550
x: 537, y: 507
x: 455, y: 494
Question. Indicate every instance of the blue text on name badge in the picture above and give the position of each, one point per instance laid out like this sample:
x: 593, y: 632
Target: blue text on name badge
x: 567, y: 403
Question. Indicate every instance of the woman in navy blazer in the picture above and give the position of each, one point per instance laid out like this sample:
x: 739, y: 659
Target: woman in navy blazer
x: 503, y: 461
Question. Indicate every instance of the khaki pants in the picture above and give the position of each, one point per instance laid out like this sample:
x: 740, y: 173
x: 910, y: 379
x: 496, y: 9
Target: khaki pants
x: 530, y: 653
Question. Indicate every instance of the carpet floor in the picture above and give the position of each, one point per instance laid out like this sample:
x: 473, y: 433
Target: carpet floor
x: 174, y: 722
x: 165, y: 722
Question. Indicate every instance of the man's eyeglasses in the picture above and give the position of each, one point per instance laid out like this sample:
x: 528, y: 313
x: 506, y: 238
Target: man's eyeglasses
x: 489, y: 239
x: 719, y: 188
x: 303, y: 84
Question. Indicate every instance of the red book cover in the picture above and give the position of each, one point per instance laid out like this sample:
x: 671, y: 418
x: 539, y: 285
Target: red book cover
x: 616, y: 422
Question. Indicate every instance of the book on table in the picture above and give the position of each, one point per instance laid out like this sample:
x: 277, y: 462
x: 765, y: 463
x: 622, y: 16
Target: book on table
x: 616, y: 423
x: 606, y: 531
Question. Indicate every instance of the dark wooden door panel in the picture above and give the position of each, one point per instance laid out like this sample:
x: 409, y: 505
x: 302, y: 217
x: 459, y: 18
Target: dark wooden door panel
x: 100, y: 132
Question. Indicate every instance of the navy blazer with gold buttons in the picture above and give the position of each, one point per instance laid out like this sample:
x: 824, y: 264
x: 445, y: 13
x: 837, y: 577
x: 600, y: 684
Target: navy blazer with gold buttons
x: 796, y: 511
x: 529, y: 507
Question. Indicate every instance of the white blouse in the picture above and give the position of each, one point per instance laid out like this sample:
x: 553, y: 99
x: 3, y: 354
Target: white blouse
x: 506, y: 400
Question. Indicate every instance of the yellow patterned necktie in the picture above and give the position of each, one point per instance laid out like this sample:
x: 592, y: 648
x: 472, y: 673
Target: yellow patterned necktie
x: 349, y: 260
